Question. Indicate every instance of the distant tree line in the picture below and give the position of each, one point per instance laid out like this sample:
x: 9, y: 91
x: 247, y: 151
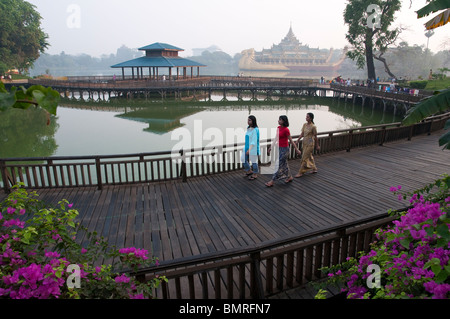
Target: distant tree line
x: 405, y: 61
x: 219, y: 63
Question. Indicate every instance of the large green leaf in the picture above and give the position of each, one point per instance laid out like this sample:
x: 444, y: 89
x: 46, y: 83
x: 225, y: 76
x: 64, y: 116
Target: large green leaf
x: 433, y: 6
x: 22, y: 98
x: 427, y: 107
x: 47, y: 98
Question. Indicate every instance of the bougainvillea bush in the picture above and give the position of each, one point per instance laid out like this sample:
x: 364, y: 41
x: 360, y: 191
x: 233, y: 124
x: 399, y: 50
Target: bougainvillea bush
x: 410, y: 258
x: 40, y: 258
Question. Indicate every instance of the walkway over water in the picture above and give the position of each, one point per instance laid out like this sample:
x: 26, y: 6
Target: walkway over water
x: 257, y: 88
x: 226, y: 211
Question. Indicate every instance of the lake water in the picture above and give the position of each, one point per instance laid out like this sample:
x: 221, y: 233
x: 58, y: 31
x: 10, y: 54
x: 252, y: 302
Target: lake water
x: 124, y: 127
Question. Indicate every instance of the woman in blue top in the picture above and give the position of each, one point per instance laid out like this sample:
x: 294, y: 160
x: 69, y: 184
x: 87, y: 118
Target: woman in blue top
x: 251, y: 149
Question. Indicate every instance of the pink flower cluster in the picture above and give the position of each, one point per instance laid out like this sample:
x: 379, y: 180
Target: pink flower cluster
x: 411, y: 252
x: 33, y: 281
x: 136, y: 252
x: 30, y: 271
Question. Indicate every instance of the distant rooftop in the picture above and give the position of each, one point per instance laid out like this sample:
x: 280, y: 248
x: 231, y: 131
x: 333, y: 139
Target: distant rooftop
x: 160, y: 46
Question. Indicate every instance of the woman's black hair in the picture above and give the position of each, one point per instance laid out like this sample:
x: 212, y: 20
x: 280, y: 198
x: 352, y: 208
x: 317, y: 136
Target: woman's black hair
x: 285, y: 120
x: 311, y: 116
x: 253, y: 118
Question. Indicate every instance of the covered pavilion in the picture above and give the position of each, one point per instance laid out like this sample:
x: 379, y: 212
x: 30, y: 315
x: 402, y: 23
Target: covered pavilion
x: 157, y: 56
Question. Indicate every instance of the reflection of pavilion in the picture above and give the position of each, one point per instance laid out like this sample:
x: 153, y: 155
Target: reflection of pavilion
x: 160, y: 119
x: 159, y: 55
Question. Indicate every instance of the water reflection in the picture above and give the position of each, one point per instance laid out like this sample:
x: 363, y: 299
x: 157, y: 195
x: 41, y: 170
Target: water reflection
x: 25, y: 133
x: 160, y: 119
x: 123, y: 127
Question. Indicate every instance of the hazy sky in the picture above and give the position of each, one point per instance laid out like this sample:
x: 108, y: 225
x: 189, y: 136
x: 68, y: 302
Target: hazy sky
x: 99, y: 27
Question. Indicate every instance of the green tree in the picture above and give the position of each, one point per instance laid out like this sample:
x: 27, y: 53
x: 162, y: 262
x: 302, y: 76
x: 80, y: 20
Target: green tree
x: 21, y: 38
x: 369, y: 23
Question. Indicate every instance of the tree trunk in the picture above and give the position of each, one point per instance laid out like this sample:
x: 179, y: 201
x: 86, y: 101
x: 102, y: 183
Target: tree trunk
x: 369, y: 61
x: 369, y: 56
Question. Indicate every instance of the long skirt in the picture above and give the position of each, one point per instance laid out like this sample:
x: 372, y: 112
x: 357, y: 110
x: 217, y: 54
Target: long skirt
x: 283, y: 170
x: 308, y: 162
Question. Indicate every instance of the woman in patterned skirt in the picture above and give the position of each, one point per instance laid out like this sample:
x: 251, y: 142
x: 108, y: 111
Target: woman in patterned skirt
x: 283, y: 138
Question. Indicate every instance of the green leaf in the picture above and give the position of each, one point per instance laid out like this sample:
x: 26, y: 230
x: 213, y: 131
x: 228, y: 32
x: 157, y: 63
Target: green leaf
x: 58, y: 273
x: 442, y: 230
x: 405, y: 242
x: 7, y: 100
x: 433, y: 6
x: 47, y: 98
x: 427, y: 107
x: 441, y: 277
x: 21, y: 95
x: 436, y: 269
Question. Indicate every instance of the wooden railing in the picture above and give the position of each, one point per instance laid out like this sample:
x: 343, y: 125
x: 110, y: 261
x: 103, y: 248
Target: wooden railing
x: 266, y: 269
x: 401, y: 97
x: 99, y: 83
x: 97, y: 171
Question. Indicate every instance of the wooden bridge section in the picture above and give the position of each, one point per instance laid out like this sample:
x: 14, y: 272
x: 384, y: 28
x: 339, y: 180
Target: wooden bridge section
x: 255, y: 88
x: 223, y: 236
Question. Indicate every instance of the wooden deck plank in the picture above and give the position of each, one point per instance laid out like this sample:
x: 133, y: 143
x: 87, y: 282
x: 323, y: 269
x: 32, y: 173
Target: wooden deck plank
x: 225, y: 211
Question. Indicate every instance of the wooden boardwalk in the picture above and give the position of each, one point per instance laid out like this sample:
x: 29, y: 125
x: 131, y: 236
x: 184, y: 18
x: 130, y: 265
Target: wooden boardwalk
x: 225, y: 211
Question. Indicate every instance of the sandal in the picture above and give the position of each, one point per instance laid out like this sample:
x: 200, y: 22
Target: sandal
x: 298, y: 175
x: 289, y: 180
x: 268, y: 184
x: 251, y: 178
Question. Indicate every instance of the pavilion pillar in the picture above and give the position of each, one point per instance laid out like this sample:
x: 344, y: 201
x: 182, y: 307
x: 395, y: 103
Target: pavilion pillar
x: 123, y: 73
x: 132, y: 73
x: 170, y: 73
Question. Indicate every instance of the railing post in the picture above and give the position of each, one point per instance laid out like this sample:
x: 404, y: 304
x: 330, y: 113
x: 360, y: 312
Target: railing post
x: 430, y: 126
x: 411, y: 131
x: 99, y: 173
x: 257, y: 291
x: 383, y: 136
x: 183, y: 166
x: 350, y: 138
x: 5, y: 177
